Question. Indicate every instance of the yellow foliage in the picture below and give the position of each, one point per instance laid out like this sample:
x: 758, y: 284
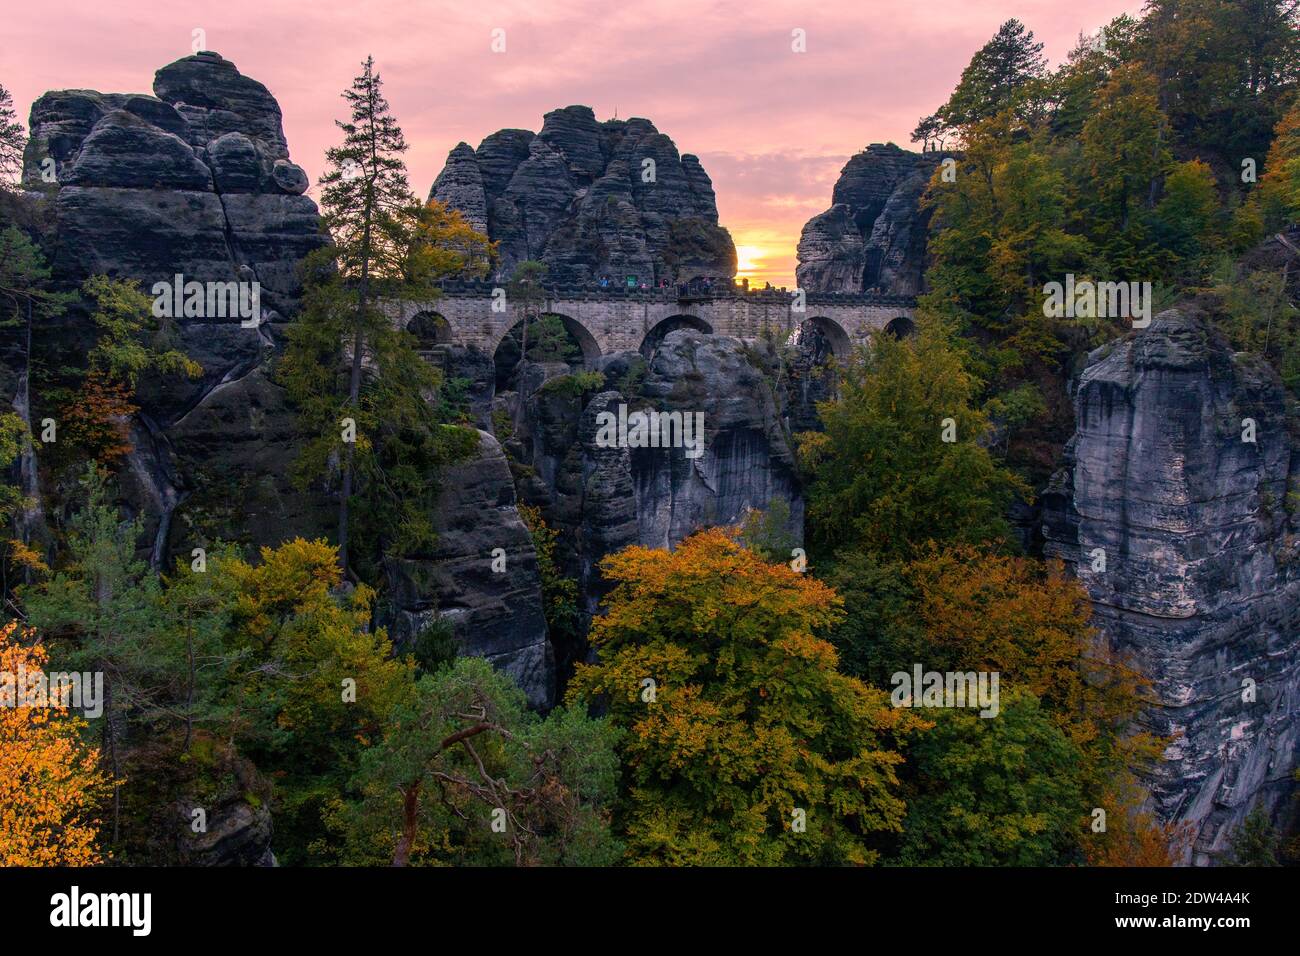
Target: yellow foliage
x: 50, y: 783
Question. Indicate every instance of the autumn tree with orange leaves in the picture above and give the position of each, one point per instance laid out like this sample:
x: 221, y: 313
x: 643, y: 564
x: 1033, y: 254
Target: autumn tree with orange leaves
x: 962, y: 608
x: 744, y: 745
x: 50, y: 783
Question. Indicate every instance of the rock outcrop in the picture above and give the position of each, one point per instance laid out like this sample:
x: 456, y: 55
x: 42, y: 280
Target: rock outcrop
x: 604, y: 497
x: 748, y: 461
x: 480, y: 577
x: 197, y: 176
x: 1179, y: 477
x: 194, y: 181
x: 873, y: 237
x: 197, y: 181
x: 591, y: 199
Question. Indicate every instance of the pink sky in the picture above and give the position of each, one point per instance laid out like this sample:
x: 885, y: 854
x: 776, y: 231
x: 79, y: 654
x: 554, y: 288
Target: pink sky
x: 772, y: 127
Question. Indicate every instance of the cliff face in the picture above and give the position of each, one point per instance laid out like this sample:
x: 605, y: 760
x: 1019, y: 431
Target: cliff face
x: 748, y: 461
x: 495, y: 610
x: 1200, y: 584
x: 590, y: 199
x: 197, y: 180
x: 603, y: 499
x: 873, y: 236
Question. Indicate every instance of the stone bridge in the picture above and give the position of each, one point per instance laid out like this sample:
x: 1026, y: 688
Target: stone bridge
x: 626, y: 320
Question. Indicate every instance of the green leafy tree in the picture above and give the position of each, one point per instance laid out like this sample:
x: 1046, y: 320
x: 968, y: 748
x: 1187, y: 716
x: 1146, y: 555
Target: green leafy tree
x: 999, y: 791
x: 1086, y: 70
x: 101, y: 613
x: 1002, y: 234
x: 1190, y: 216
x: 131, y: 343
x: 900, y: 461
x: 961, y: 609
x: 1260, y: 317
x: 306, y: 683
x: 768, y: 533
x: 1225, y: 70
x: 559, y: 593
x: 27, y: 301
x: 1124, y: 145
x: 1254, y: 843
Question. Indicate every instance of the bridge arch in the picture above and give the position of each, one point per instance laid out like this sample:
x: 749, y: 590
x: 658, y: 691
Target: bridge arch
x: 901, y: 327
x: 586, y: 341
x: 832, y: 331
x: 659, y: 331
x: 575, y: 346
x: 430, y: 329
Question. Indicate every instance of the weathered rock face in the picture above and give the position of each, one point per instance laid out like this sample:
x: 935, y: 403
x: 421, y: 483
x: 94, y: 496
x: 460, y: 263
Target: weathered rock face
x: 238, y: 820
x: 590, y: 199
x: 873, y: 236
x: 495, y: 614
x: 603, y: 497
x: 197, y: 181
x: 747, y: 461
x: 194, y: 181
x: 1201, y: 585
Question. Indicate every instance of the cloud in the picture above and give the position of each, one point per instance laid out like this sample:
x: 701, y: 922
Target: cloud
x: 771, y: 126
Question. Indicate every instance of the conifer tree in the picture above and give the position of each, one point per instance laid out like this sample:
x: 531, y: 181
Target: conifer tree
x: 997, y: 77
x: 365, y: 396
x: 12, y: 141
x: 372, y: 214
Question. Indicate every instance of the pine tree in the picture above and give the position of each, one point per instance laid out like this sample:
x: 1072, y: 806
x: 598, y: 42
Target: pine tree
x: 526, y: 291
x: 372, y: 215
x: 12, y: 141
x: 997, y: 77
x: 347, y: 360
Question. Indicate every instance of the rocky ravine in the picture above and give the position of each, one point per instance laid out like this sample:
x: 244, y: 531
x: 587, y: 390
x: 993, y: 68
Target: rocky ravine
x: 590, y: 199
x: 873, y: 236
x: 1201, y: 585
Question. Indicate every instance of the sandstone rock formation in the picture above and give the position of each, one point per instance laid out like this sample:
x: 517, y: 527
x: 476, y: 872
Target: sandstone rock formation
x: 603, y: 499
x: 197, y: 176
x: 197, y: 180
x: 495, y: 614
x: 1201, y: 585
x: 873, y: 236
x: 748, y: 460
x: 591, y: 199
